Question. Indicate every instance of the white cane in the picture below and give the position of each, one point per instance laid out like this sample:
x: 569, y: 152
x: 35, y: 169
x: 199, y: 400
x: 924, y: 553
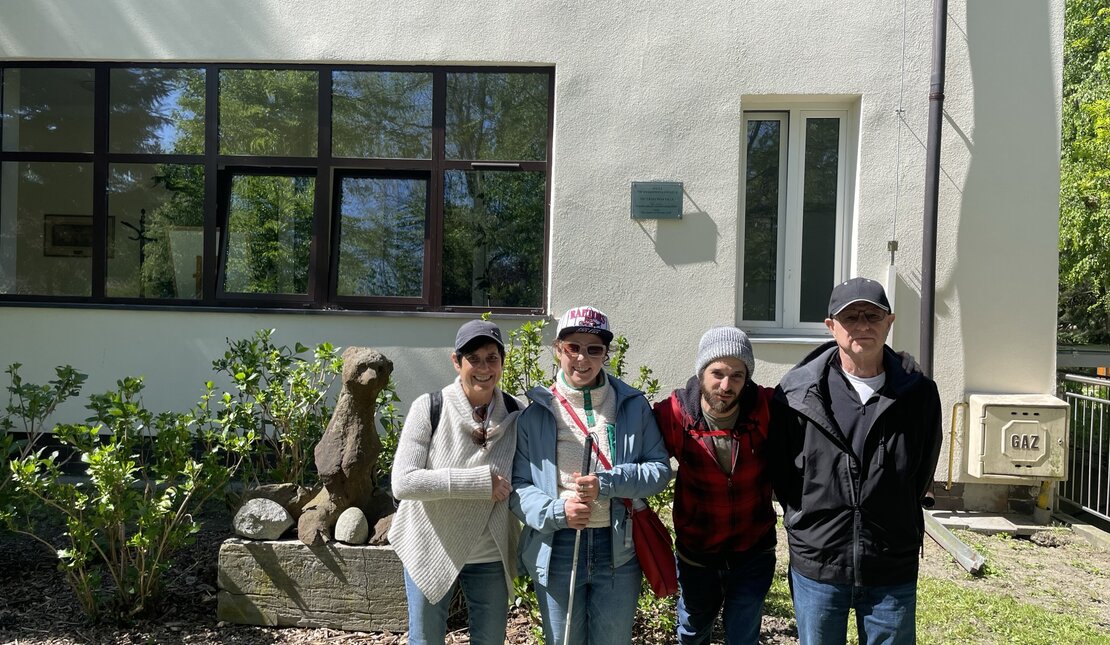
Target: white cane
x: 577, y: 541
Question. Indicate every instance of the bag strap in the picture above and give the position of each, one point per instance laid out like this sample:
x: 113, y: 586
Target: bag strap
x: 511, y: 404
x: 582, y: 426
x: 435, y: 406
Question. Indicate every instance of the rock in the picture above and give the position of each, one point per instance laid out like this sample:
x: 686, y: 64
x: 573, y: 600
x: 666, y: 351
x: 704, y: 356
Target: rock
x: 380, y: 536
x: 352, y: 527
x: 261, y: 519
x: 348, y: 451
x: 1051, y: 538
x: 381, y: 505
x: 292, y: 497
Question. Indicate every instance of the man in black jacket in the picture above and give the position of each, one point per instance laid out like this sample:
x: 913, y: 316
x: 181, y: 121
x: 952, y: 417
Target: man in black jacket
x: 854, y: 440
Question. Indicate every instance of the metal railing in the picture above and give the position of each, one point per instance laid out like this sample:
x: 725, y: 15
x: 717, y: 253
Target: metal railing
x: 1088, y: 483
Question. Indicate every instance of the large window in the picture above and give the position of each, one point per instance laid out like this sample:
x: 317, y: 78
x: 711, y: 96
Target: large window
x: 311, y: 186
x: 795, y: 207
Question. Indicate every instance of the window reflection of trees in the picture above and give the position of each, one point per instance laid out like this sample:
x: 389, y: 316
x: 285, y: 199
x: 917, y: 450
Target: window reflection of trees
x: 819, y: 198
x: 497, y: 116
x: 156, y: 110
x: 761, y: 213
x: 493, y: 221
x: 386, y: 115
x: 382, y: 122
x: 268, y: 112
x: 269, y: 234
x: 381, y: 248
x: 493, y: 238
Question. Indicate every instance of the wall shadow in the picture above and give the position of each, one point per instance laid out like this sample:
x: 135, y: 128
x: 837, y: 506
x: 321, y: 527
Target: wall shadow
x: 1008, y: 206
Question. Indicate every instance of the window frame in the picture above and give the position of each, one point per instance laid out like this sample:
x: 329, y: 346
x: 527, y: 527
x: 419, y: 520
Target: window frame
x: 788, y: 288
x: 328, y: 169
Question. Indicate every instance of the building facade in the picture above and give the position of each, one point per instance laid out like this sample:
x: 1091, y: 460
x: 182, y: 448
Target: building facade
x: 175, y: 174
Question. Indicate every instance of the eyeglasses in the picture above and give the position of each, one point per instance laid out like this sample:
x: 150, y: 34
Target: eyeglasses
x: 493, y: 360
x: 853, y: 318
x: 593, y: 351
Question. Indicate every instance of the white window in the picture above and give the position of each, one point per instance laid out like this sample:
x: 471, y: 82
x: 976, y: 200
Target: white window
x: 795, y: 215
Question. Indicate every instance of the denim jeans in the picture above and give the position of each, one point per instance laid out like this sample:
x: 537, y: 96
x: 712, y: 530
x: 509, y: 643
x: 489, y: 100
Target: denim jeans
x: 740, y: 588
x: 884, y: 614
x: 604, y: 597
x: 487, y: 602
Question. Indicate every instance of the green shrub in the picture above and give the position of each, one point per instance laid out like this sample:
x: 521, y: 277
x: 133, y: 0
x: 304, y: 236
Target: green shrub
x: 280, y: 403
x: 523, y: 369
x: 29, y: 405
x: 135, y: 508
x: 391, y: 420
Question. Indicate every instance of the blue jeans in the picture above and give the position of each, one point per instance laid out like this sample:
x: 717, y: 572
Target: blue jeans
x: 487, y: 602
x: 604, y: 597
x: 884, y: 614
x: 740, y: 587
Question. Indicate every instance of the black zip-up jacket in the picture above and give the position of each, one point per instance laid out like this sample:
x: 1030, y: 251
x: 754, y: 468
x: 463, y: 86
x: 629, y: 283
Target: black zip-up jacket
x: 853, y: 521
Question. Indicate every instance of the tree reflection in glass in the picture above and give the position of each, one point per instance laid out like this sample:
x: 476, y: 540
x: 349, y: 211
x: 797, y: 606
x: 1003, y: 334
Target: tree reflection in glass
x: 381, y: 236
x: 493, y: 238
x: 269, y: 234
x: 386, y: 115
x: 761, y: 216
x: 47, y: 109
x: 165, y: 202
x: 497, y: 116
x: 156, y: 110
x: 268, y: 112
x: 819, y: 200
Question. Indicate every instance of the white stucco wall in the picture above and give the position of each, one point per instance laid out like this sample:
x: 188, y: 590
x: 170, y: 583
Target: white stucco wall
x: 647, y: 91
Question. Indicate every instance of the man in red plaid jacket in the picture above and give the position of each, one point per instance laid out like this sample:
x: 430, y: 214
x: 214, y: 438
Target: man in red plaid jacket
x: 716, y: 427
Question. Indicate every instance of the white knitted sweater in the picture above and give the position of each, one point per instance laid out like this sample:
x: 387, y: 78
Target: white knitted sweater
x: 445, y: 484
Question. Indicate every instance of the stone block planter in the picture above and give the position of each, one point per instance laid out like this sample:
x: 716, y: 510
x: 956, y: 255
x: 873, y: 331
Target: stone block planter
x: 285, y: 583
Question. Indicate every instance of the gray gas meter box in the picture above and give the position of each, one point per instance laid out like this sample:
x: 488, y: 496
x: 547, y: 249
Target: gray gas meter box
x: 1017, y: 436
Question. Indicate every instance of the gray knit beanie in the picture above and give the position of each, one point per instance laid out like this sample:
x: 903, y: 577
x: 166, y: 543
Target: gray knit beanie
x: 720, y: 342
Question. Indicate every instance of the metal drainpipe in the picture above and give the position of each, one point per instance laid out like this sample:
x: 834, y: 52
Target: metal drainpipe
x: 932, y: 187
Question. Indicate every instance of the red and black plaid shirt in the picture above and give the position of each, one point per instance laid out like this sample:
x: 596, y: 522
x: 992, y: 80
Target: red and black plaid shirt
x: 718, y: 514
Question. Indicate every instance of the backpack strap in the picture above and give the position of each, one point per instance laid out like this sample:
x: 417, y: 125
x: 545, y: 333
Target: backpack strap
x: 434, y: 408
x: 511, y: 404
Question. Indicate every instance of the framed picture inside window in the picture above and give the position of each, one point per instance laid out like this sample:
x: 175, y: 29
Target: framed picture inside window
x: 70, y: 236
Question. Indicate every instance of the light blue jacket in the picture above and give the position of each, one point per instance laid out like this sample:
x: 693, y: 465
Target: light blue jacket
x: 640, y: 468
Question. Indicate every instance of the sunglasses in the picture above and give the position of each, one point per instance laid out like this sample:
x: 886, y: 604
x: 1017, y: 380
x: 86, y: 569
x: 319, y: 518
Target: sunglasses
x: 480, y: 435
x: 593, y: 351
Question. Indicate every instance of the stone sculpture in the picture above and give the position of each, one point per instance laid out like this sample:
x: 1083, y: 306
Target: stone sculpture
x: 348, y: 451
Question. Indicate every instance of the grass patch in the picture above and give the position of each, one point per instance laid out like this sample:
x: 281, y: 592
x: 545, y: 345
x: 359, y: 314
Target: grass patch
x: 987, y: 546
x: 778, y: 602
x: 950, y: 613
x: 1087, y: 567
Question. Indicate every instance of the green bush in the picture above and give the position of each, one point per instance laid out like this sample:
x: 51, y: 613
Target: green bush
x: 136, y: 507
x: 391, y: 419
x: 280, y: 403
x: 523, y: 369
x: 29, y: 406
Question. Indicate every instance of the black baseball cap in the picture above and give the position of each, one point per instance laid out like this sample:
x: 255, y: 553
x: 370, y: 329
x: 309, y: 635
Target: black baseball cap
x: 478, y: 329
x: 857, y: 290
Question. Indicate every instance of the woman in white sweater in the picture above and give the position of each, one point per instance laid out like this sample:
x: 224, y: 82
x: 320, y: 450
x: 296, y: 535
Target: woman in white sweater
x: 453, y: 525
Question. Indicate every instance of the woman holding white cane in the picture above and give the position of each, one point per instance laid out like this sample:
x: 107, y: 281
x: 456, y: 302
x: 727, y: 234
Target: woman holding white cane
x: 559, y: 504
